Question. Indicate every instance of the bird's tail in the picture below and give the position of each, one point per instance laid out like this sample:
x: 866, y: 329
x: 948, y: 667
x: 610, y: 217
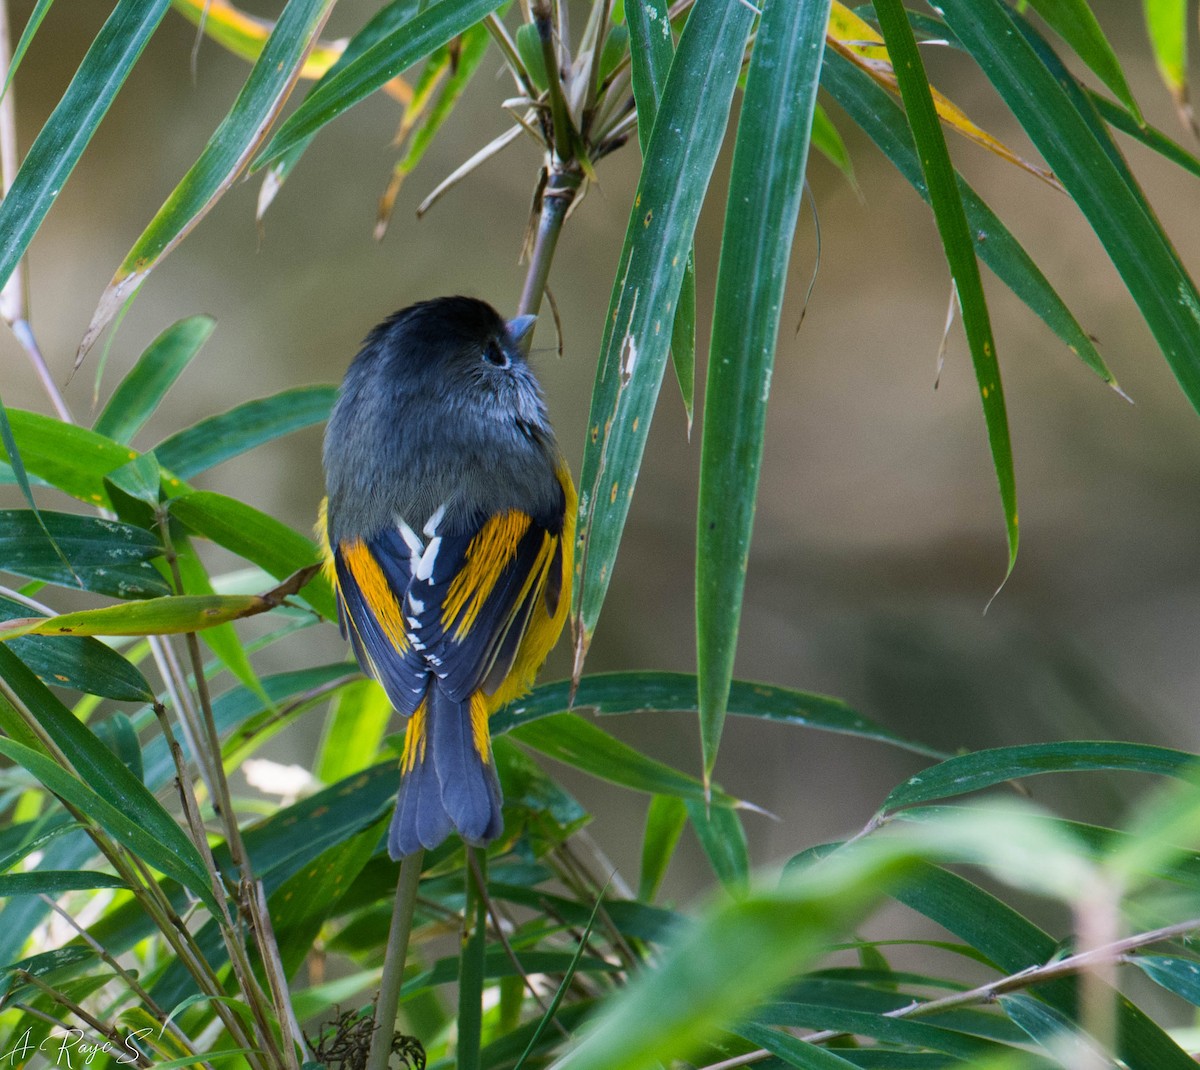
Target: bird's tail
x: 448, y: 779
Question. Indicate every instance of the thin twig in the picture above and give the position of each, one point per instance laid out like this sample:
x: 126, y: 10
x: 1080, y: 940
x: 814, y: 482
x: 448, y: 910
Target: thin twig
x: 1116, y: 952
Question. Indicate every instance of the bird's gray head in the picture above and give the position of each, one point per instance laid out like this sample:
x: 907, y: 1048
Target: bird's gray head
x: 439, y: 408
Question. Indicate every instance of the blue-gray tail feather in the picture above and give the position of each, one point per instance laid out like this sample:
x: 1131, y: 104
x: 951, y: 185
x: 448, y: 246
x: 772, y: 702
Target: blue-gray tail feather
x: 453, y: 789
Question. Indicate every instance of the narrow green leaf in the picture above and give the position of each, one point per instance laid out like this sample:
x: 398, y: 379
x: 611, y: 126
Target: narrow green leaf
x: 873, y: 109
x: 740, y: 950
x: 355, y: 727
x: 645, y: 692
x: 27, y: 35
x: 1107, y: 196
x: 155, y: 616
x: 1012, y: 943
x: 83, y: 664
x: 259, y: 538
x: 948, y: 210
x: 218, y: 438
x: 651, y: 49
x: 141, y: 479
x: 982, y: 769
x: 117, y: 733
x: 1174, y: 973
x: 1075, y: 23
x: 103, y: 773
x: 396, y: 51
x: 101, y: 555
x: 827, y: 140
x: 568, y: 738
x: 187, y: 868
x: 765, y: 187
x: 223, y: 158
x: 139, y: 393
x: 1148, y: 135
x: 792, y: 1050
x: 1166, y: 25
x: 71, y: 458
x: 54, y: 882
x: 723, y: 838
x: 1054, y: 1031
x: 665, y: 818
x: 20, y: 841
x: 61, y: 141
x: 679, y: 159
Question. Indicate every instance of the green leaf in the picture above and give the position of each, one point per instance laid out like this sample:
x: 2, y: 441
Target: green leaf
x: 1054, y: 1031
x: 396, y: 51
x: 765, y: 187
x: 568, y: 738
x: 101, y: 555
x: 259, y: 538
x: 117, y: 733
x: 739, y: 951
x: 1166, y: 25
x: 951, y: 217
x: 828, y: 142
x: 139, y: 393
x: 141, y: 479
x: 54, y: 882
x: 61, y: 141
x: 83, y: 664
x: 679, y: 159
x: 218, y: 438
x: 1074, y: 22
x: 651, y: 50
x: 27, y: 35
x: 1174, y: 973
x: 223, y: 158
x: 873, y: 109
x: 723, y: 838
x: 71, y: 458
x: 1012, y: 943
x: 982, y: 769
x: 644, y: 692
x: 155, y: 616
x: 792, y: 1050
x: 665, y: 818
x: 1104, y: 192
x: 114, y: 817
x: 355, y: 727
x: 1148, y: 135
x: 529, y: 49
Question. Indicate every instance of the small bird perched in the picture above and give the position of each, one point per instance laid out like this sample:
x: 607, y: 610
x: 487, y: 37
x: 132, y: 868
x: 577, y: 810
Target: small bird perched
x: 449, y: 521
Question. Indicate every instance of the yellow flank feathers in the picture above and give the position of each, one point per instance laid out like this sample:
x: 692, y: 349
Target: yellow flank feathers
x: 479, y: 726
x: 486, y: 556
x: 321, y: 531
x: 377, y: 591
x: 543, y: 629
x: 414, y: 739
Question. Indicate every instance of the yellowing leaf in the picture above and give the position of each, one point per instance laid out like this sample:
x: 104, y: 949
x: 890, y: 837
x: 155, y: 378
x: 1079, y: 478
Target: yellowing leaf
x: 860, y: 43
x: 244, y: 36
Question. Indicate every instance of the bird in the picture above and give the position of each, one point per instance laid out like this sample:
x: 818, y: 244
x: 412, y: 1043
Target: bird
x: 448, y: 532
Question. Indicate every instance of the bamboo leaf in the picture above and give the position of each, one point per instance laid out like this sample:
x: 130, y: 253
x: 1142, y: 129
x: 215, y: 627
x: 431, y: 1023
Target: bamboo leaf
x: 760, y: 218
x: 204, y: 445
x: 354, y: 729
x: 1104, y: 192
x: 155, y: 616
x: 99, y: 555
x: 665, y: 819
x: 61, y: 141
x: 27, y: 34
x: 139, y: 393
x: 568, y: 738
x: 723, y: 838
x: 951, y: 218
x: 396, y: 51
x: 1075, y: 23
x: 644, y: 692
x: 1053, y: 1031
x: 1175, y: 974
x: 223, y: 158
x: 259, y: 538
x: 1167, y: 27
x: 679, y: 160
x: 982, y: 769
x: 54, y: 882
x: 651, y: 49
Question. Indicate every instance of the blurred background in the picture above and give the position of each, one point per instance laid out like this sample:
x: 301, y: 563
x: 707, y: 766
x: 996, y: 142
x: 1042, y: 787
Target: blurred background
x: 879, y: 538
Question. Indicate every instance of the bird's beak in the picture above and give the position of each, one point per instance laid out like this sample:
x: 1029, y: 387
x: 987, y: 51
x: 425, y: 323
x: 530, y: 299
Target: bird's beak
x: 520, y: 326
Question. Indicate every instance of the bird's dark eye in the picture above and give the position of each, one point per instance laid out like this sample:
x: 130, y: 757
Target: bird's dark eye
x: 495, y: 355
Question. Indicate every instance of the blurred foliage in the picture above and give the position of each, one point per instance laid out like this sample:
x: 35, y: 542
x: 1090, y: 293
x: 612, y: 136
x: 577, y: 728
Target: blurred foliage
x: 167, y: 922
